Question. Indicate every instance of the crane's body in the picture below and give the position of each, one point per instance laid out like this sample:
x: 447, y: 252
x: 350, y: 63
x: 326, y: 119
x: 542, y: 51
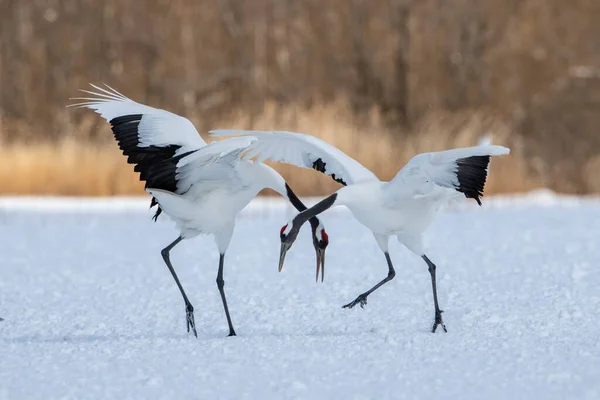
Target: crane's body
x: 213, y: 207
x: 201, y: 187
x: 384, y: 213
x: 403, y: 207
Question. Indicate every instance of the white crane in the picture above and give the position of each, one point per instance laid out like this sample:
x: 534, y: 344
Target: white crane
x: 403, y: 207
x: 202, y: 187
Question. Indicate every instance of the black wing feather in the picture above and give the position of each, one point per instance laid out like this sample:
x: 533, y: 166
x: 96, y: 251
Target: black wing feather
x: 472, y: 174
x: 320, y: 166
x: 125, y: 129
x: 163, y: 175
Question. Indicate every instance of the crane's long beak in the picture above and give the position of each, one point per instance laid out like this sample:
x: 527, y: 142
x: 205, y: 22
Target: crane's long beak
x: 320, y: 264
x: 284, y: 249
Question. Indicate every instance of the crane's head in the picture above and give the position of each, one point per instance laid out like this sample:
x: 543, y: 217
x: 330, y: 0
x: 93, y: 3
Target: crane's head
x: 289, y: 233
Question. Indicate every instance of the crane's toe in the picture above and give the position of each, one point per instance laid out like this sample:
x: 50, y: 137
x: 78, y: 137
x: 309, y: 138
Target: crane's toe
x: 361, y: 300
x: 438, y: 321
x: 191, y: 324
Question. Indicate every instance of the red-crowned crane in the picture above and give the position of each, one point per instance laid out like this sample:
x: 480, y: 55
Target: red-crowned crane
x: 202, y: 187
x: 403, y: 207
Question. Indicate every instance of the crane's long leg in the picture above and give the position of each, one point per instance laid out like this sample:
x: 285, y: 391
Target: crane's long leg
x: 362, y: 299
x: 220, y: 285
x: 189, y: 309
x: 438, y: 313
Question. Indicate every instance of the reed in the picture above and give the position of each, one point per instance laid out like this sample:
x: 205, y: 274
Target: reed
x: 89, y: 163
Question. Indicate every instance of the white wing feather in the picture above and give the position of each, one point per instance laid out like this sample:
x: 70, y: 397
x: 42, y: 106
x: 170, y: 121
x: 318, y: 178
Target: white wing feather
x: 303, y: 151
x: 157, y: 127
x: 423, y: 171
x: 213, y: 166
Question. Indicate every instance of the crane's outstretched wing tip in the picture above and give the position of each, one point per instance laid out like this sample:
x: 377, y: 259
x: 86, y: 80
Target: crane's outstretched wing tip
x: 106, y: 93
x: 491, y: 149
x: 75, y: 105
x: 499, y: 150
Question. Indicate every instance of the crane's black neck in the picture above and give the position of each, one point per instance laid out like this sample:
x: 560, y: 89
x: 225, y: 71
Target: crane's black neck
x: 299, y: 205
x: 317, y: 209
x: 294, y: 199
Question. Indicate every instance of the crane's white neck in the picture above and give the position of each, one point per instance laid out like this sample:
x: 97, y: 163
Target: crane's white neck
x: 267, y: 177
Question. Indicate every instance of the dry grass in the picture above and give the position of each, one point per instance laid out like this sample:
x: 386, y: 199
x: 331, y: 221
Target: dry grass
x: 70, y: 167
x: 82, y: 167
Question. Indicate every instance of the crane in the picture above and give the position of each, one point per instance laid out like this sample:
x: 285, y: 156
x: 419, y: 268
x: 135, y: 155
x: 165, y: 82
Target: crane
x: 403, y: 207
x: 200, y: 186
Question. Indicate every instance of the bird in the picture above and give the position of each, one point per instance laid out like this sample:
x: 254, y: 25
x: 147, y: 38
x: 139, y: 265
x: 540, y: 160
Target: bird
x: 200, y: 186
x: 403, y: 207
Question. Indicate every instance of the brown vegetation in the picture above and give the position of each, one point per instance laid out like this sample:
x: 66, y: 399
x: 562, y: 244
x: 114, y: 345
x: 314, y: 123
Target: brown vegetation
x: 381, y: 79
x: 83, y: 167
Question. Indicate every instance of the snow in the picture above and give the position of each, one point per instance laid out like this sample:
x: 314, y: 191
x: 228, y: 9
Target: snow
x: 91, y: 312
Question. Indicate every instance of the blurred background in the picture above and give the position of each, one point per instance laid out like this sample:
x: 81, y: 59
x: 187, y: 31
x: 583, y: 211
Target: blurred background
x: 380, y: 79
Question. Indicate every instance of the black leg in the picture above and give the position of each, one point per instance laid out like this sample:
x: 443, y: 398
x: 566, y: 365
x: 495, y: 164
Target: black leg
x: 220, y: 284
x: 362, y: 299
x: 189, y: 309
x: 438, y: 313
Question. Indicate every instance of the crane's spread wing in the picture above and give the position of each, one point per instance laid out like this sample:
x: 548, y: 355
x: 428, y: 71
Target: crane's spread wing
x: 303, y: 151
x: 211, y: 167
x: 464, y: 170
x: 146, y: 135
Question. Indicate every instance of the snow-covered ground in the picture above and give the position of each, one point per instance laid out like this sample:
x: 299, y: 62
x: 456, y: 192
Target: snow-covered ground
x: 90, y: 310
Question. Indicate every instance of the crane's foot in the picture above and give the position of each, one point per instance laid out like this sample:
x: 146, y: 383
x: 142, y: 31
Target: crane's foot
x: 189, y: 314
x: 362, y: 300
x: 438, y: 321
x: 231, y: 333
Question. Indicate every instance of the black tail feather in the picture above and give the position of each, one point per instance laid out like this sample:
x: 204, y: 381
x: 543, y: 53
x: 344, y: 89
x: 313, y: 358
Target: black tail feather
x: 472, y: 174
x: 158, y: 212
x: 153, y: 203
